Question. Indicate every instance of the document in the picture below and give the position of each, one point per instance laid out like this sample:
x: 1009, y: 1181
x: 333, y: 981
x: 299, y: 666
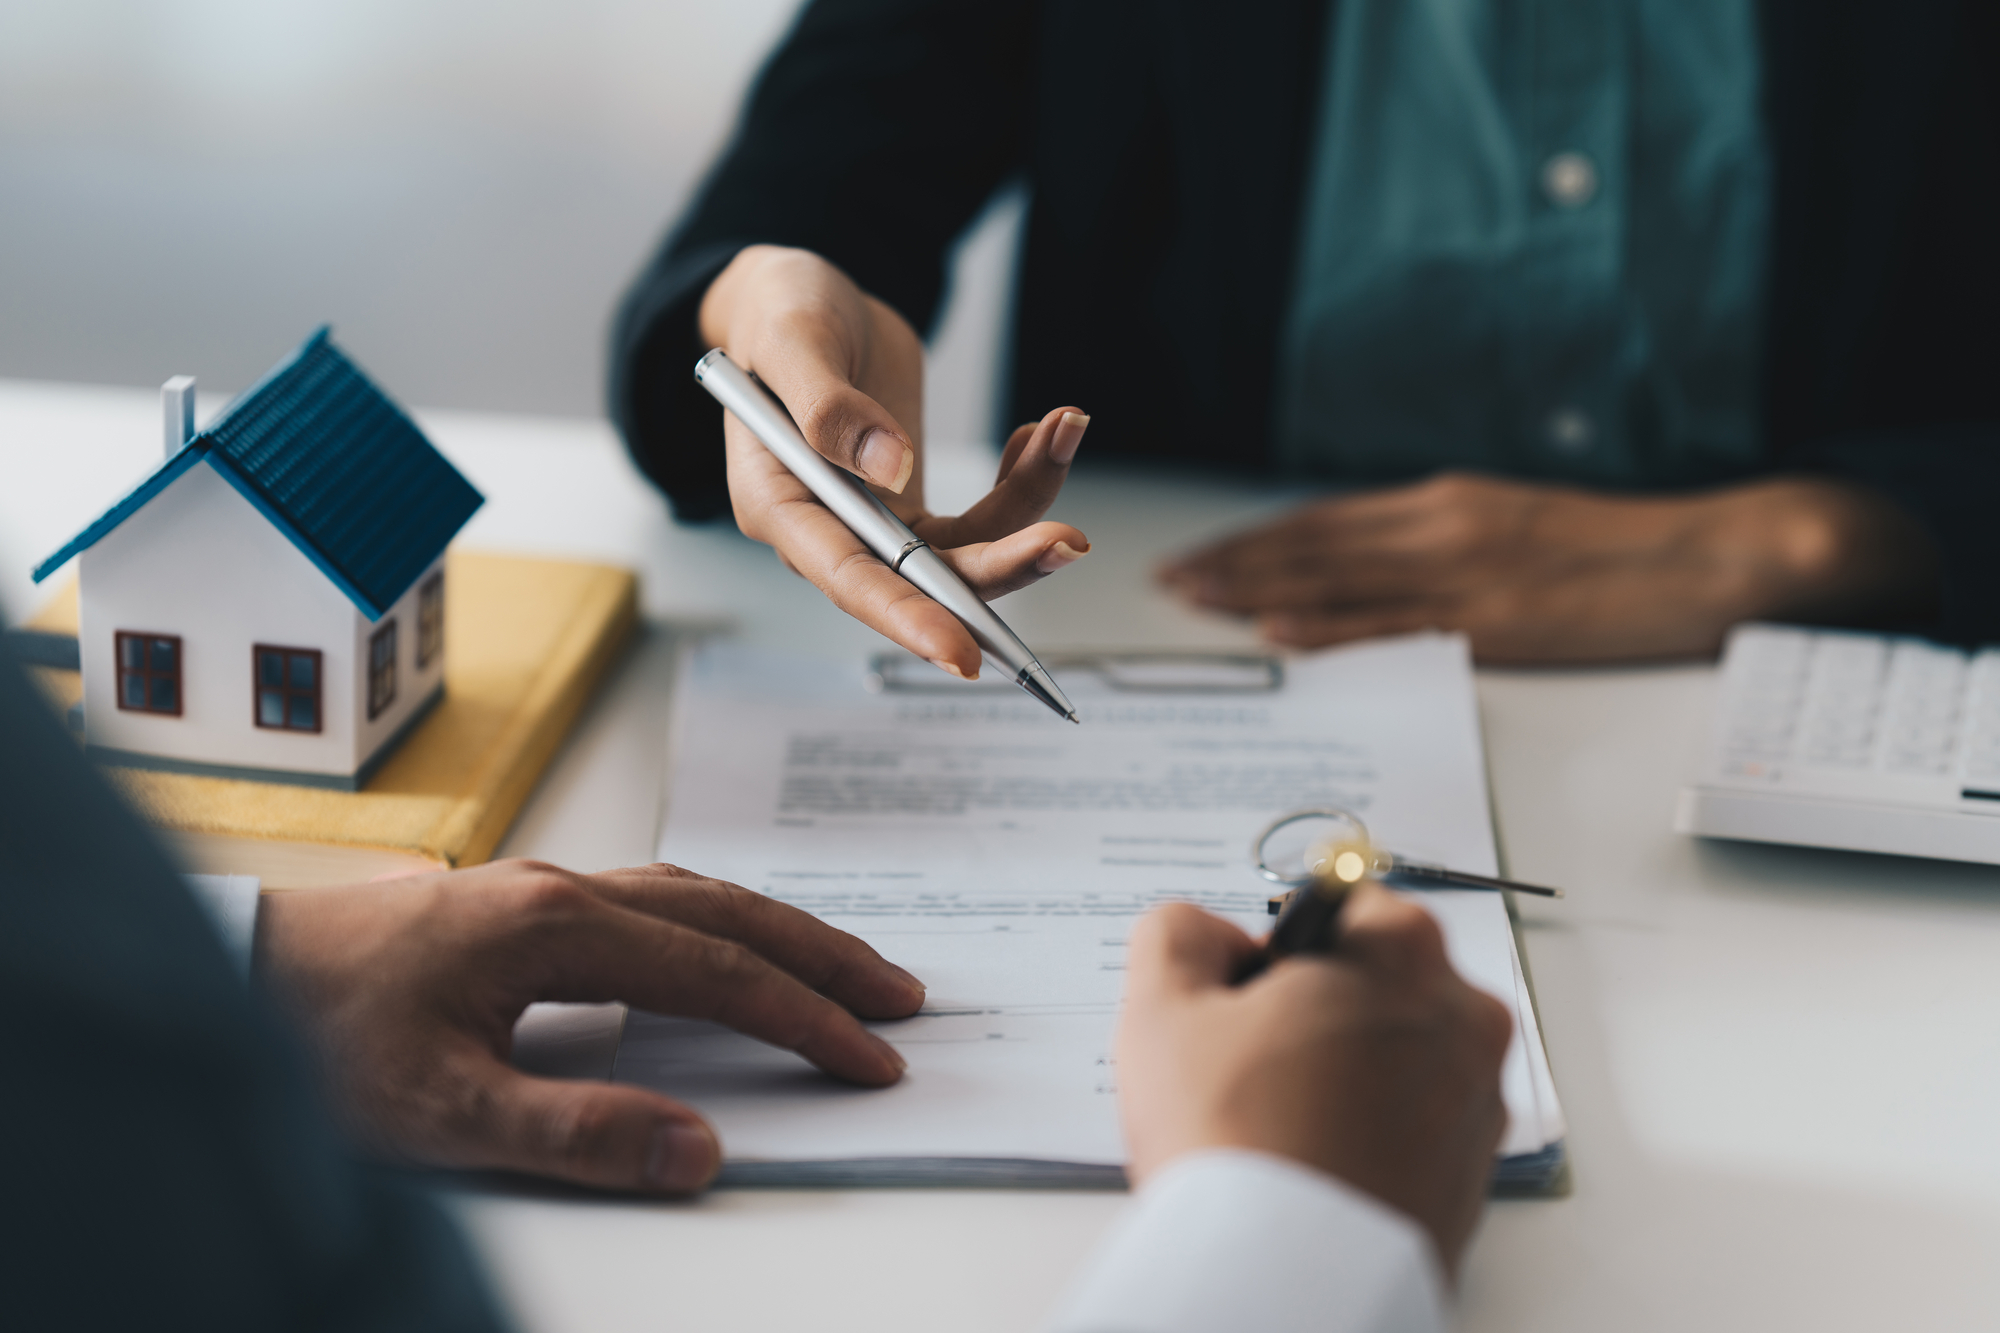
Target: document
x: 1002, y: 855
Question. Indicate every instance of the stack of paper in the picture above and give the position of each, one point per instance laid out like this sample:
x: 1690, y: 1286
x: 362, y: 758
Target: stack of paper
x: 1002, y: 855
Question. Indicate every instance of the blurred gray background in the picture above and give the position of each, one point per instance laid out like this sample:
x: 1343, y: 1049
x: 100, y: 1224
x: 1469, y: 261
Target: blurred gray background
x: 462, y: 187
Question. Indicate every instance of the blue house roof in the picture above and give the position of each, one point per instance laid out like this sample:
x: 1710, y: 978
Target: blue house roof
x: 334, y: 465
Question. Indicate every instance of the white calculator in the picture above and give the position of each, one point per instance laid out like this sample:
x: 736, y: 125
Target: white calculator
x: 1868, y: 742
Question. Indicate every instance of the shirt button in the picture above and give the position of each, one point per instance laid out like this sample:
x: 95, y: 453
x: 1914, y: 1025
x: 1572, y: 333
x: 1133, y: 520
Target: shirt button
x: 1570, y: 180
x: 1571, y: 430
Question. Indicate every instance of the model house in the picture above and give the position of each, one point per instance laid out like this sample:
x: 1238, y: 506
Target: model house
x: 270, y: 602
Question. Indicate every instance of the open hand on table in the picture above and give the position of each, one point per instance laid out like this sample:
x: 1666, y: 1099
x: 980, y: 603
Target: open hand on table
x: 1543, y: 573
x: 1379, y: 1065
x: 410, y: 989
x: 850, y: 370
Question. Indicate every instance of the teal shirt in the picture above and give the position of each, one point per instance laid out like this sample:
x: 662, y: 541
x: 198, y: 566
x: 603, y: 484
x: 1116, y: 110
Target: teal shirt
x: 1533, y: 244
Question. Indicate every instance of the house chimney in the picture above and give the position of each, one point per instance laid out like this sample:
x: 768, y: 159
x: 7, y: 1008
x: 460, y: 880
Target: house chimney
x: 177, y: 398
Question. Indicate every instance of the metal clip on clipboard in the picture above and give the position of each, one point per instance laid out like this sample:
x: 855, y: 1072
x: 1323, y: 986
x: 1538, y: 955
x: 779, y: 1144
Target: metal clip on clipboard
x: 1137, y: 672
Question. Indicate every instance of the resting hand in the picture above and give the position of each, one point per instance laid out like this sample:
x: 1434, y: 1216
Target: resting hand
x: 411, y: 988
x: 850, y: 370
x: 1542, y: 573
x: 1379, y: 1066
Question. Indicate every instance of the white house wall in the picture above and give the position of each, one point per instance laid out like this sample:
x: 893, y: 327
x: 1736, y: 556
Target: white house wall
x: 200, y: 562
x: 412, y: 685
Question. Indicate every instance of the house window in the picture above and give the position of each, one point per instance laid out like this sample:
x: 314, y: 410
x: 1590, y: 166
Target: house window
x: 149, y: 673
x: 430, y: 620
x: 381, y: 670
x: 288, y: 688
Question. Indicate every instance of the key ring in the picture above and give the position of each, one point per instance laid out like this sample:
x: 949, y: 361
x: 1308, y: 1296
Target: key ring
x: 1293, y: 849
x: 1306, y: 840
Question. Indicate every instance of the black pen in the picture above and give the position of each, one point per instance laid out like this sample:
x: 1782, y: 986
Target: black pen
x: 1310, y: 921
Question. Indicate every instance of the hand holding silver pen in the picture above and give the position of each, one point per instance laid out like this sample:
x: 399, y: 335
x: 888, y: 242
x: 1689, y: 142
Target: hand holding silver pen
x: 850, y: 369
x: 866, y: 516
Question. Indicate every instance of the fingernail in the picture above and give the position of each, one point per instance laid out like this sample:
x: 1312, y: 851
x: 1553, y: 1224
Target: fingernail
x: 886, y: 460
x: 915, y: 985
x: 943, y: 665
x: 895, y: 1056
x: 1062, y: 553
x: 1069, y: 434
x: 1281, y: 629
x: 682, y: 1159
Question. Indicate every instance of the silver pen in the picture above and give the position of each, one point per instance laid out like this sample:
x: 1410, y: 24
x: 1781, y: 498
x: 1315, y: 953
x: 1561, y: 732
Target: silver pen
x: 875, y: 523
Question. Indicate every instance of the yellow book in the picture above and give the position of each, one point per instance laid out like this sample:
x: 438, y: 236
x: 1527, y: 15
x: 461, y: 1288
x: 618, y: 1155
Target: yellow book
x: 526, y: 641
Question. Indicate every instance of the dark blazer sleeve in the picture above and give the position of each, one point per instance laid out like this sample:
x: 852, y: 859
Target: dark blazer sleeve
x: 1884, y: 275
x: 874, y: 136
x: 1947, y: 477
x: 168, y: 1163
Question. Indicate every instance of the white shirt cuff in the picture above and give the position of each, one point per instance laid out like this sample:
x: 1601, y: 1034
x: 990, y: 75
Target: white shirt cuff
x: 1230, y: 1239
x: 231, y: 901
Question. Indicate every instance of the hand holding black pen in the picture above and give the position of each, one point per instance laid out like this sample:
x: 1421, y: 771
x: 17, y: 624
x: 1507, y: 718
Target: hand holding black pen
x: 1379, y: 1066
x: 1310, y: 920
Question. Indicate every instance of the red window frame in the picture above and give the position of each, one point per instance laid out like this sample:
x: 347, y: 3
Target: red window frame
x: 150, y: 672
x: 285, y: 689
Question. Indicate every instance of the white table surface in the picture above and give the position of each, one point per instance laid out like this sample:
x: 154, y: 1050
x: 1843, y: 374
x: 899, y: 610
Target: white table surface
x: 1781, y: 1067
